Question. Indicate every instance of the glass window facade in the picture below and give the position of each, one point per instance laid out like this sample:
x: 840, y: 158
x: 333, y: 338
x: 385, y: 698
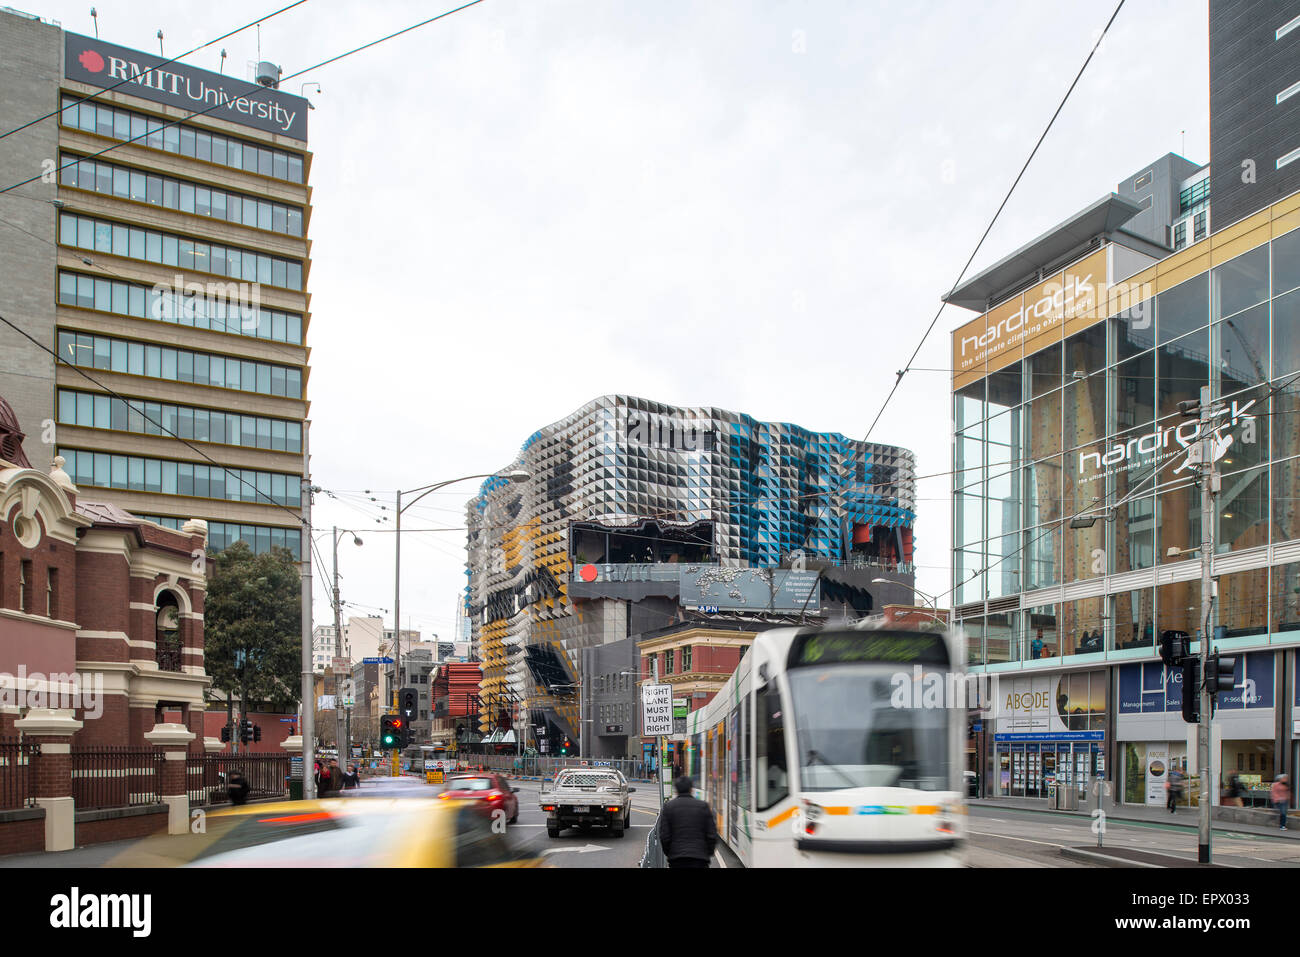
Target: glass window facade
x: 151, y: 132
x: 1089, y: 427
x: 217, y: 313
x: 97, y: 411
x: 142, y: 187
x: 118, y: 239
x: 259, y: 538
x: 179, y: 365
x: 165, y: 477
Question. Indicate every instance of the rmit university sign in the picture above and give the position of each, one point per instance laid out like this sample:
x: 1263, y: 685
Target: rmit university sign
x: 176, y: 84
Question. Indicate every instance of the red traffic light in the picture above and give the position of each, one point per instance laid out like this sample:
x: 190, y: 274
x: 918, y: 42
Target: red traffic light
x: 397, y: 723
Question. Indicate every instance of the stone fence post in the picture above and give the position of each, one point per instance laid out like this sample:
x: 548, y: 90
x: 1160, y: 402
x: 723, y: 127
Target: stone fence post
x: 174, y: 739
x: 53, y: 731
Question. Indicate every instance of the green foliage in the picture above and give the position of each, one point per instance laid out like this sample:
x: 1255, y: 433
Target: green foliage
x: 253, y: 624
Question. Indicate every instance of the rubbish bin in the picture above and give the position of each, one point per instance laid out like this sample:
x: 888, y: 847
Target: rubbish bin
x: 295, y: 789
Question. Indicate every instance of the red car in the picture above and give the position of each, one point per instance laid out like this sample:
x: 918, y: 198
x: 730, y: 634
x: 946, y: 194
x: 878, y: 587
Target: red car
x: 492, y: 790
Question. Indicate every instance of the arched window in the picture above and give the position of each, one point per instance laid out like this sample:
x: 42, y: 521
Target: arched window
x: 167, y: 637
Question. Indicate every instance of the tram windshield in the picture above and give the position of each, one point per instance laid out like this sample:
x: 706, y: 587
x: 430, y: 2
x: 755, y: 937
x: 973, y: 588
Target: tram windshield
x: 851, y: 735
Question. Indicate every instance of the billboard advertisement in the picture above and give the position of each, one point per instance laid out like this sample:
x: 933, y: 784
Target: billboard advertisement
x: 749, y: 589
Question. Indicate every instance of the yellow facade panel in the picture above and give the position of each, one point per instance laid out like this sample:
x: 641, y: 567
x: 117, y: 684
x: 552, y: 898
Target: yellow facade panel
x: 1169, y: 276
x: 1225, y: 248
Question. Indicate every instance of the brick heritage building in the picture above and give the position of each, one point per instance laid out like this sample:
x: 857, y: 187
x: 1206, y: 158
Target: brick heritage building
x: 101, y: 613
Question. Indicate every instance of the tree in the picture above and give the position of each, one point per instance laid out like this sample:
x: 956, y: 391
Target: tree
x: 253, y: 624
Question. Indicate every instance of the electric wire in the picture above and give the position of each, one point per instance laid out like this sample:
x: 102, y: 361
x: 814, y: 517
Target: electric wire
x: 254, y: 96
x: 175, y: 59
x: 902, y: 372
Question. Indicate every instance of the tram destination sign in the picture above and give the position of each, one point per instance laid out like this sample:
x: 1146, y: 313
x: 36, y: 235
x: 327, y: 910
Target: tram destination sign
x: 657, y: 703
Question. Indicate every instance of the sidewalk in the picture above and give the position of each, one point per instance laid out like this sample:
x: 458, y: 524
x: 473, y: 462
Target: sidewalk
x: 1185, y: 816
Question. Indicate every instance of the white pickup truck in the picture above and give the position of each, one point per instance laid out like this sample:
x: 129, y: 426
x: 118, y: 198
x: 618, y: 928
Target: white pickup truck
x: 581, y: 797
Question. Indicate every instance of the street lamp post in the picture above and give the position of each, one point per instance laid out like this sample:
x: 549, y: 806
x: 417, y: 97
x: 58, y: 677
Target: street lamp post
x: 343, y: 725
x: 514, y: 475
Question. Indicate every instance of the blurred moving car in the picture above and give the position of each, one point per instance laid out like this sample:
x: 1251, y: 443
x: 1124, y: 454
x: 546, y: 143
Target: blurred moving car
x: 335, y: 832
x: 492, y: 791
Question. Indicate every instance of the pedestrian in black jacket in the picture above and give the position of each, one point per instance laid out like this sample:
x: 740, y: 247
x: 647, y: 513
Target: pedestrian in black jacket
x: 686, y: 829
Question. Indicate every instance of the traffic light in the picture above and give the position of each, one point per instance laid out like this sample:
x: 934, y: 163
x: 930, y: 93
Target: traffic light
x: 1220, y: 676
x: 1192, y: 690
x: 257, y: 732
x: 1173, y: 646
x: 564, y: 748
x: 245, y: 731
x: 392, y: 730
x: 225, y: 734
x: 409, y: 703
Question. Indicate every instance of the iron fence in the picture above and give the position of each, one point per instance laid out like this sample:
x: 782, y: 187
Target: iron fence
x: 207, y: 776
x: 17, y: 782
x: 107, y: 777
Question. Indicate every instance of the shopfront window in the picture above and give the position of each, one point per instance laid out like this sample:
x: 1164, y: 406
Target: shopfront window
x: 1083, y: 627
x: 1135, y: 619
x: 974, y: 628
x: 1240, y: 283
x: 1040, y: 630
x: 1284, y: 598
x: 1242, y: 508
x: 1178, y: 517
x: 1182, y: 367
x: 1135, y: 384
x: 1178, y: 607
x: 968, y: 405
x: 1000, y: 637
x: 1243, y: 348
x: 1182, y: 309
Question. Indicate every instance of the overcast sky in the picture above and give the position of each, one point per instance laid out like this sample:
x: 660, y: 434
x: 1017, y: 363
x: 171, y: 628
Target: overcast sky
x: 754, y: 206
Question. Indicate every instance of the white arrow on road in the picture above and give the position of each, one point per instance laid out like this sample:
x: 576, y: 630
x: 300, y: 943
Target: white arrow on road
x: 585, y: 849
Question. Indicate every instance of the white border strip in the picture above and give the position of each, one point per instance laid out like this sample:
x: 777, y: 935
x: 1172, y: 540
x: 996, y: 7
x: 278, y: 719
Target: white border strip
x: 1286, y: 28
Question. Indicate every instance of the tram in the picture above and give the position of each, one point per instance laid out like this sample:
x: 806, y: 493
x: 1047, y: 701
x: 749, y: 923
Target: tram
x: 838, y: 747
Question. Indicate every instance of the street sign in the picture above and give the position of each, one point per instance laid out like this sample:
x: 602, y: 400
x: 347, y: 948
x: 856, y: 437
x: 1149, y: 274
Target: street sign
x: 681, y: 708
x: 657, y: 704
x: 295, y: 767
x: 377, y: 661
x: 342, y: 666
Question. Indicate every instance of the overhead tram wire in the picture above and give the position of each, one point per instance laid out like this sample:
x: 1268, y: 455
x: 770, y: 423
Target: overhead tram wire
x: 175, y: 59
x: 252, y: 97
x: 162, y: 429
x: 902, y: 372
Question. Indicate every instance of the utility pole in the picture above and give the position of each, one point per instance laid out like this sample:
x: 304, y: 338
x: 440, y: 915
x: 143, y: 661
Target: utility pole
x: 308, y: 728
x: 1209, y: 490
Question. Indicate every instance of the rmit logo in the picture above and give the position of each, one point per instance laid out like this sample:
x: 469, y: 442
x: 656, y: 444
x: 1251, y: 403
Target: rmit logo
x: 91, y: 61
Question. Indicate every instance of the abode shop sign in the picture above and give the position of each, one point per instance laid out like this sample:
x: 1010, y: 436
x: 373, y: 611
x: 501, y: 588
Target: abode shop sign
x: 176, y: 84
x: 1237, y: 425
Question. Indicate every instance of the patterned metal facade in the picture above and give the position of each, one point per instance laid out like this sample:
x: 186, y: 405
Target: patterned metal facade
x: 769, y: 489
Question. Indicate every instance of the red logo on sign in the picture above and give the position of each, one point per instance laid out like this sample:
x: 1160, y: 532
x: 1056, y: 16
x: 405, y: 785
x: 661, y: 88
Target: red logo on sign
x: 91, y: 61
x: 588, y: 573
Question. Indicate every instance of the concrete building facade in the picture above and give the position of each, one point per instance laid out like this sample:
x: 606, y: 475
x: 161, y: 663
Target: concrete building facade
x: 162, y: 251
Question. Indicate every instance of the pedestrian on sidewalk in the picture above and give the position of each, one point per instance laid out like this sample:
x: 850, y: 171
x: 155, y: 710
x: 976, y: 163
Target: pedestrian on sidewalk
x: 1280, y: 795
x: 238, y: 788
x: 687, y: 833
x: 1174, y: 785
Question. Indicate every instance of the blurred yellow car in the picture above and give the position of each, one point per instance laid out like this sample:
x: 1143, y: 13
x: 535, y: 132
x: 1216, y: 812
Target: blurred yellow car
x: 338, y: 832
